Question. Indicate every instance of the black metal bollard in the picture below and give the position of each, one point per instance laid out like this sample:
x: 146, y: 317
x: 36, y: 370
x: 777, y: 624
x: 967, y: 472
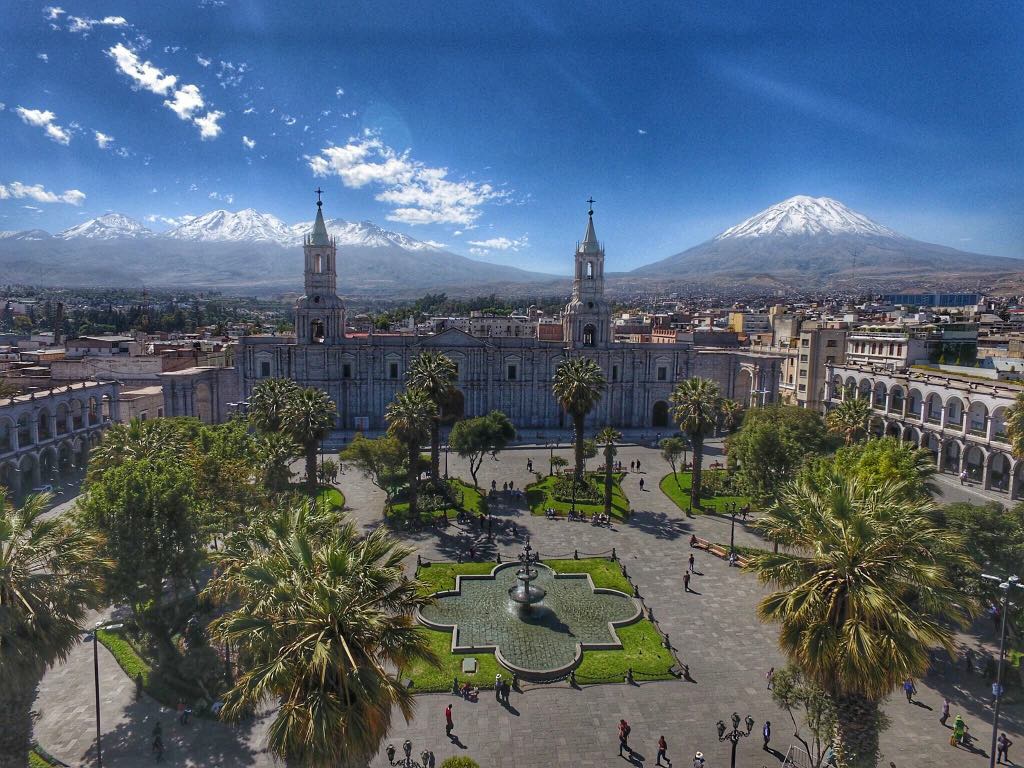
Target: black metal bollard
x: 575, y: 554
x: 614, y: 556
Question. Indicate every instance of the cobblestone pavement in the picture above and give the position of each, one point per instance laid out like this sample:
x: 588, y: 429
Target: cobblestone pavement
x: 714, y: 630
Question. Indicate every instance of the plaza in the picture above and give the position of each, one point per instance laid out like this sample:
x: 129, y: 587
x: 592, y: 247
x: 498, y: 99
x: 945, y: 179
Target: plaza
x: 714, y: 630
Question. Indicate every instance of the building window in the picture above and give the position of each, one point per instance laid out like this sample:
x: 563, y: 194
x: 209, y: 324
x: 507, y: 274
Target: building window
x: 803, y: 358
x: 830, y: 359
x: 615, y: 373
x: 392, y: 370
x: 790, y: 380
x: 512, y: 373
x: 346, y: 370
x: 159, y: 413
x: 264, y: 368
x: 830, y: 343
x: 143, y: 415
x: 803, y: 373
x: 805, y: 342
x: 802, y: 388
x: 662, y: 373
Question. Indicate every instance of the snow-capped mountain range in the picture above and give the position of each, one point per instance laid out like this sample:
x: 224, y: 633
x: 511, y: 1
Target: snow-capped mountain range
x: 220, y: 226
x: 802, y: 215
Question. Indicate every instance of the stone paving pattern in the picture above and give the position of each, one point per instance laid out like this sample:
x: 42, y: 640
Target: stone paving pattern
x: 714, y: 630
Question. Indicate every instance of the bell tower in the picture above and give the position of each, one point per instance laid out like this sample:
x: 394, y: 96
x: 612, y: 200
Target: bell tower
x: 586, y: 321
x: 320, y: 315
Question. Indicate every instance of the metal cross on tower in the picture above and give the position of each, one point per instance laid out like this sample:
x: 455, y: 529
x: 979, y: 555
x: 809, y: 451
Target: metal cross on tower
x: 591, y: 202
x: 318, y: 193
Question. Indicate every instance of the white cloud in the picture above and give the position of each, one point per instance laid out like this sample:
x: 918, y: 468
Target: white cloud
x: 170, y: 221
x: 45, y: 119
x: 339, y: 92
x: 641, y: 131
x: 230, y: 74
x: 227, y: 197
x: 84, y: 24
x: 36, y: 192
x: 500, y: 243
x: 53, y: 12
x: 248, y: 110
x: 203, y: 62
x: 193, y: 188
x: 43, y: 57
x: 187, y: 100
x: 418, y: 194
x: 103, y: 140
x: 435, y: 244
x: 145, y: 75
x: 250, y: 143
x: 288, y: 120
x: 208, y: 127
x: 457, y: 233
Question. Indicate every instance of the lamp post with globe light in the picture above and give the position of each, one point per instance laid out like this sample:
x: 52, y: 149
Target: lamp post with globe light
x: 96, y: 681
x: 997, y: 687
x: 735, y: 734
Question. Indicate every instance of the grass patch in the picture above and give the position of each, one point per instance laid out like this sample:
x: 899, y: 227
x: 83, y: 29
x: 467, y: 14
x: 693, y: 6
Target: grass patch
x: 473, y: 502
x: 741, y: 550
x: 36, y: 759
x: 679, y: 491
x: 540, y: 497
x: 165, y: 689
x: 331, y: 497
x: 641, y: 643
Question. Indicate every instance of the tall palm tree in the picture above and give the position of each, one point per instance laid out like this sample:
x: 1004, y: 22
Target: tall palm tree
x: 864, y: 592
x: 578, y: 385
x: 696, y: 406
x: 268, y: 401
x: 849, y: 418
x: 308, y: 417
x: 322, y: 619
x: 410, y: 416
x: 434, y: 373
x: 1015, y: 426
x: 50, y: 574
x: 608, y: 437
x: 141, y: 440
x: 732, y: 414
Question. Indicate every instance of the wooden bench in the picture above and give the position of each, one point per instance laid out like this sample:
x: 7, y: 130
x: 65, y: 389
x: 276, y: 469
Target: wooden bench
x: 717, y: 550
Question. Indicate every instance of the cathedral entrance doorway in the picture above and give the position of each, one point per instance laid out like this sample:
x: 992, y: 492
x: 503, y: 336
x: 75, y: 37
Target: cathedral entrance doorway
x: 659, y: 414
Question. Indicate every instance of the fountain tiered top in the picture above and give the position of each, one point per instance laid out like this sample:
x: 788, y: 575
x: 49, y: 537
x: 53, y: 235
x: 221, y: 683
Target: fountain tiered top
x: 526, y: 593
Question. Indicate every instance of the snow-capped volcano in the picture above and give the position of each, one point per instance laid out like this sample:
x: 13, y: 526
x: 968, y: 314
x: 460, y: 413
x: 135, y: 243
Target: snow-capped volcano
x: 224, y: 226
x: 111, y: 226
x: 802, y: 215
x: 364, y: 233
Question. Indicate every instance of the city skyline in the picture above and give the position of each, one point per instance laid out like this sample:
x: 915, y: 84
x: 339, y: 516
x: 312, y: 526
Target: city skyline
x: 486, y: 132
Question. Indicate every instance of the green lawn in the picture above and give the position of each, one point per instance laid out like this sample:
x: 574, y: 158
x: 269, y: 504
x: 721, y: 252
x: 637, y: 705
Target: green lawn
x: 540, y: 497
x: 331, y: 496
x: 679, y: 491
x: 36, y: 760
x: 473, y: 502
x: 641, y: 649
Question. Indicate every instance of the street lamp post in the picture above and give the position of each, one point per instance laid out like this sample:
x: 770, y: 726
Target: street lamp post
x: 426, y: 756
x: 447, y: 446
x: 732, y: 529
x: 997, y: 689
x: 96, y: 681
x: 735, y: 734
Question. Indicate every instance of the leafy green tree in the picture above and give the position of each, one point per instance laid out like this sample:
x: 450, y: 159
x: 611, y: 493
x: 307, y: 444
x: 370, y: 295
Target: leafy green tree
x: 268, y: 401
x: 879, y: 461
x: 557, y: 462
x: 578, y: 385
x: 143, y: 440
x: 864, y: 592
x: 50, y: 575
x: 410, y: 416
x: 1015, y: 426
x: 435, y: 374
x: 323, y: 623
x: 672, y: 449
x: 771, y: 446
x: 308, y: 416
x: 145, y: 511
x: 607, y: 437
x: 696, y: 406
x: 796, y: 695
x: 850, y: 418
x: 382, y: 461
x: 328, y: 472
x: 473, y: 439
x: 732, y: 414
x: 274, y: 454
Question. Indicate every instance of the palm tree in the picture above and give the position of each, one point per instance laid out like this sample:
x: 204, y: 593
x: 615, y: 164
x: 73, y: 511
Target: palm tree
x: 268, y: 401
x: 50, y: 574
x: 1015, y: 426
x: 308, y: 417
x: 141, y: 440
x: 578, y: 385
x: 607, y: 437
x: 732, y: 414
x: 696, y: 406
x: 434, y: 373
x: 323, y: 620
x: 864, y: 593
x: 849, y: 418
x: 410, y: 416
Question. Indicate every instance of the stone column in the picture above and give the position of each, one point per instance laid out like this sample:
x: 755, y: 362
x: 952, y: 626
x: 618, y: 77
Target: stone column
x: 33, y: 429
x: 986, y: 471
x: 943, y: 413
x: 940, y: 461
x: 990, y: 429
x: 888, y: 401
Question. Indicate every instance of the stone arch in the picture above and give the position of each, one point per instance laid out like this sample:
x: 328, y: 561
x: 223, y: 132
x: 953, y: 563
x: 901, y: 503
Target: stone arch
x: 837, y: 387
x: 952, y: 455
x: 892, y: 429
x: 1016, y: 479
x: 8, y: 428
x: 63, y: 411
x: 977, y: 418
x: 589, y: 335
x: 204, y: 402
x: 954, y: 411
x: 876, y: 426
x: 65, y: 457
x: 77, y: 413
x: 878, y: 394
x: 743, y: 386
x: 106, y: 411
x: 849, y: 387
x: 47, y: 463
x: 25, y: 430
x: 317, y: 331
x: 44, y: 424
x: 864, y: 389
x: 93, y: 411
x: 933, y: 406
x: 998, y: 419
x: 897, y: 396
x: 659, y: 414
x: 28, y: 467
x: 931, y: 443
x: 973, y: 460
x: 915, y: 404
x: 999, y: 471
x: 913, y: 436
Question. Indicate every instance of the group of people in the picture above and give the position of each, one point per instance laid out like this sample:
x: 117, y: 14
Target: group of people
x: 662, y: 754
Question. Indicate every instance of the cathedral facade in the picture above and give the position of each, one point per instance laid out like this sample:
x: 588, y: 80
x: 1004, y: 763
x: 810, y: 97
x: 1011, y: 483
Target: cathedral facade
x: 362, y: 373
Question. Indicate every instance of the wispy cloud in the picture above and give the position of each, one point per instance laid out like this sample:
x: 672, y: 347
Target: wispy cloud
x: 417, y: 193
x: 36, y: 192
x: 46, y: 120
x: 187, y: 100
x: 227, y: 197
x: 103, y: 141
x: 203, y: 62
x: 339, y: 92
x: 170, y: 221
x: 250, y: 143
x: 85, y: 24
x: 230, y: 75
x: 52, y: 12
x: 641, y: 131
x: 499, y: 244
x: 43, y: 57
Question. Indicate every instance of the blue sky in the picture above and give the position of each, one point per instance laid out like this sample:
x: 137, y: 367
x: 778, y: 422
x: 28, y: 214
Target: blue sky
x: 486, y: 125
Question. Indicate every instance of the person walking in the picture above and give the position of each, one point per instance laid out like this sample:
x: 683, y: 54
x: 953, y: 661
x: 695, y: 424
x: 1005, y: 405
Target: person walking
x: 449, y: 725
x: 963, y: 477
x: 632, y: 464
x: 686, y: 581
x: 1003, y: 745
x: 662, y: 751
x: 641, y: 483
x: 691, y: 563
x: 909, y: 689
x: 624, y: 737
x: 770, y: 677
x: 766, y: 733
x: 959, y: 731
x: 698, y: 760
x: 944, y: 716
x: 638, y: 465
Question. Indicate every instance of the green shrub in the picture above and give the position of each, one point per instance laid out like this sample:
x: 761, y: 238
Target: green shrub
x: 587, y: 491
x: 460, y: 762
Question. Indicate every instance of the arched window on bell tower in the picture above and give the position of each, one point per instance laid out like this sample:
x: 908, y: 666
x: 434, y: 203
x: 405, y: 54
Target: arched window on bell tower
x: 318, y: 263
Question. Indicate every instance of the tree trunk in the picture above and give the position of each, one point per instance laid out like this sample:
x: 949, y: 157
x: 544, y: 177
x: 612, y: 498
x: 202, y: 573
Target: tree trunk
x: 857, y: 722
x: 16, y: 721
x: 698, y: 459
x: 608, y: 482
x: 577, y: 423
x: 435, y: 449
x: 311, y: 467
x: 414, y: 473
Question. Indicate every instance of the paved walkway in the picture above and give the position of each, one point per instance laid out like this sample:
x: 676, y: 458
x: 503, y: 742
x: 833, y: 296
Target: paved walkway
x: 714, y: 630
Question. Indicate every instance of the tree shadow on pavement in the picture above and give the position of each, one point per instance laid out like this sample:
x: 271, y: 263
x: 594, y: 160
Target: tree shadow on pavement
x: 659, y: 525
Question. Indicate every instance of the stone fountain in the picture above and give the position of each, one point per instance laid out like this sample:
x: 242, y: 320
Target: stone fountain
x: 525, y: 593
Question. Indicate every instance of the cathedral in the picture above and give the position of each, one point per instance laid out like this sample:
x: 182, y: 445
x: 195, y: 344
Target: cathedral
x: 363, y: 372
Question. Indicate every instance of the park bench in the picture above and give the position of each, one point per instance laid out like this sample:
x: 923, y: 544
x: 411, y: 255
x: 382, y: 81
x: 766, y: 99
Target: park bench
x: 717, y: 550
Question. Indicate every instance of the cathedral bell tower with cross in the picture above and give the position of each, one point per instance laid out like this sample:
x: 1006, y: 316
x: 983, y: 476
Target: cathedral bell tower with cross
x: 320, y: 315
x: 586, y: 321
